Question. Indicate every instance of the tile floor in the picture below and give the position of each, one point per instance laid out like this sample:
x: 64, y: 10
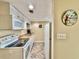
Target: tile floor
x: 38, y: 51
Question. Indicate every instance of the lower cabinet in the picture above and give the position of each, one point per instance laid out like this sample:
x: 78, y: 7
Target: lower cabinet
x: 22, y: 52
x: 11, y: 53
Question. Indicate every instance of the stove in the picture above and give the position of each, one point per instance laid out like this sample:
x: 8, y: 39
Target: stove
x: 8, y: 40
x: 13, y: 48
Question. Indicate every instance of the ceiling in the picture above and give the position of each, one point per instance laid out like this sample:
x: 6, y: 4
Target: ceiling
x: 42, y: 8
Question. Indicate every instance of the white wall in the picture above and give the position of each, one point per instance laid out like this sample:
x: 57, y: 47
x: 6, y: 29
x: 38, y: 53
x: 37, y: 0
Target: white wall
x: 38, y: 32
x: 68, y: 48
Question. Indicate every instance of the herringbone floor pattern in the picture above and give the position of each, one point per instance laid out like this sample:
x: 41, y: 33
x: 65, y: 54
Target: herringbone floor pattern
x: 38, y: 51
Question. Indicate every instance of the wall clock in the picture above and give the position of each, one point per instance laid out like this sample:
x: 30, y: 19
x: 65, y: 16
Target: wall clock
x: 69, y: 17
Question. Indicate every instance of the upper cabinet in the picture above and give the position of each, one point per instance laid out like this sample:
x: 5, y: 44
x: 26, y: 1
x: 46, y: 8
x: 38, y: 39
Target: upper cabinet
x: 11, y: 17
x: 10, y: 22
x: 18, y: 23
x: 5, y: 22
x: 4, y: 8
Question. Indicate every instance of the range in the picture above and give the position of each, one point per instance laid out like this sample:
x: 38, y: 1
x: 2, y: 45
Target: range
x: 13, y: 48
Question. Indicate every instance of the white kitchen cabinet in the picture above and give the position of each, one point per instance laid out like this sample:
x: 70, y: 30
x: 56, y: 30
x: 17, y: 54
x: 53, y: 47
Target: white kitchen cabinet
x: 18, y: 50
x: 4, y: 8
x: 11, y: 53
x: 5, y: 22
x: 11, y: 22
x: 17, y: 14
x: 7, y: 9
x: 17, y: 23
x: 11, y: 17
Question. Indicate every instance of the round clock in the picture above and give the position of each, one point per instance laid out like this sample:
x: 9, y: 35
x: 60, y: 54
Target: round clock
x: 69, y: 17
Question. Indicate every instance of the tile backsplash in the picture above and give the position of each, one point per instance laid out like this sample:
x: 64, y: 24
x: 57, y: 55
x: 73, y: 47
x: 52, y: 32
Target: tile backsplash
x: 7, y: 32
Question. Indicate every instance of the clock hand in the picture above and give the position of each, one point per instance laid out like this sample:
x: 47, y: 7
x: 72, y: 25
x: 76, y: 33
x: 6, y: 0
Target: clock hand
x: 66, y: 19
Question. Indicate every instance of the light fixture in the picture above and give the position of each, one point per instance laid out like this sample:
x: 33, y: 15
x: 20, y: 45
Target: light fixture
x: 36, y: 25
x: 31, y: 7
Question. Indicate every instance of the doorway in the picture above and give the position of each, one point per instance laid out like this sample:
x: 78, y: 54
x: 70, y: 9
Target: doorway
x: 41, y: 49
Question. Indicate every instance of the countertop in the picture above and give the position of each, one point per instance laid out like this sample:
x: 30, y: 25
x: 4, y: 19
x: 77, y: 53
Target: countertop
x: 25, y: 36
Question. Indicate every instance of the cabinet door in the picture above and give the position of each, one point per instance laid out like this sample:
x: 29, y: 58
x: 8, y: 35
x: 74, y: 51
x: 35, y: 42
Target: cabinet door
x: 9, y: 22
x: 15, y: 53
x: 17, y: 24
x: 4, y: 8
x: 5, y: 22
x: 18, y: 16
x: 11, y: 53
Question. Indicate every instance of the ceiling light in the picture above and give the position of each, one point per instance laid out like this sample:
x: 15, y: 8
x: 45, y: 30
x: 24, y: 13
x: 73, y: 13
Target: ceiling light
x: 31, y: 7
x: 36, y: 25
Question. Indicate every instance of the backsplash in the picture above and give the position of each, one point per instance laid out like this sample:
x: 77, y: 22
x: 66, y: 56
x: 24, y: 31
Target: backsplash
x: 7, y: 32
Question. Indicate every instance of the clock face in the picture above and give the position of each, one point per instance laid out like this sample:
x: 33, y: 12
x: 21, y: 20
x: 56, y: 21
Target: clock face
x: 69, y: 17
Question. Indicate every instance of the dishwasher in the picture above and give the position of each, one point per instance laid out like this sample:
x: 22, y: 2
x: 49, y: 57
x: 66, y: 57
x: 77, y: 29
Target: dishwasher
x: 12, y: 48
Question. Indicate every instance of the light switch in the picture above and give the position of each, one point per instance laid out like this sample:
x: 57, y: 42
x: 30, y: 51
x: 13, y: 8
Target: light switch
x: 61, y: 36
